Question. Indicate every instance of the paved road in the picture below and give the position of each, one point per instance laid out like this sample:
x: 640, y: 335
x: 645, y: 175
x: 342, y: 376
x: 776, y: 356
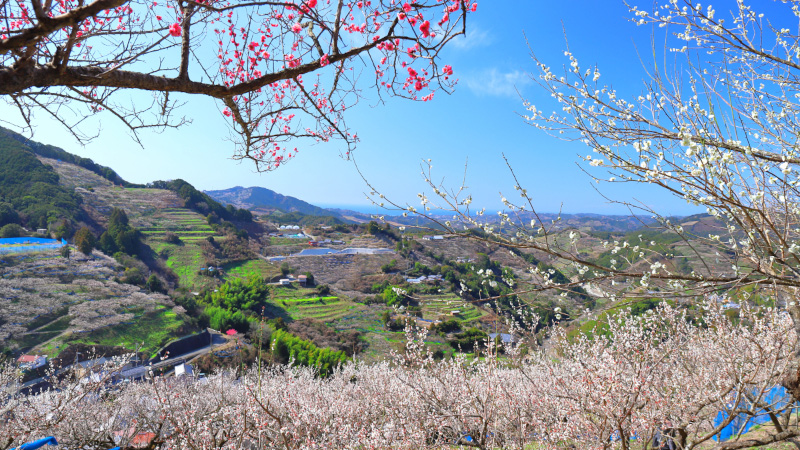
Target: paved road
x: 139, y: 371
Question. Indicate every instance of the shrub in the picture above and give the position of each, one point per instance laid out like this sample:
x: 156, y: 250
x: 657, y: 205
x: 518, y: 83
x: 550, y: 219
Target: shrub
x: 288, y: 347
x: 449, y: 326
x: 85, y: 241
x: 154, y: 284
x: 323, y: 290
x: 467, y: 340
x: 11, y: 230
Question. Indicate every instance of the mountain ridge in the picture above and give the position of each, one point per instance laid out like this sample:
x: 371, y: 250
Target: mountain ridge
x: 259, y: 198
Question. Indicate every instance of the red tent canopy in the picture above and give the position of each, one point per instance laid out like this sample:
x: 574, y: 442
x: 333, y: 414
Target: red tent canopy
x: 230, y: 332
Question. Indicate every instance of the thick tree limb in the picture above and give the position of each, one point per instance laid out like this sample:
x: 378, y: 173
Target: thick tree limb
x: 771, y: 439
x: 48, y: 25
x: 14, y: 80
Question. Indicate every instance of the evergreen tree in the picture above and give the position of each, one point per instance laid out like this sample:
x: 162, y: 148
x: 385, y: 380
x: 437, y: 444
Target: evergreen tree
x: 84, y: 241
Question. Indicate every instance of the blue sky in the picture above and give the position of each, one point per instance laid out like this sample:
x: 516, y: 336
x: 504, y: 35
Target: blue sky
x: 477, y: 123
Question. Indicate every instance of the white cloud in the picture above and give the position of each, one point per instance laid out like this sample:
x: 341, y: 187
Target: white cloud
x: 475, y: 37
x: 494, y: 82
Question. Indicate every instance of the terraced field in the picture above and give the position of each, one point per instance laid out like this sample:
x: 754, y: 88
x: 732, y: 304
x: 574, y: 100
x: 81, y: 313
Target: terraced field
x: 101, y: 195
x: 243, y: 269
x: 379, y: 341
x: 151, y: 332
x: 185, y: 260
x: 300, y: 304
x: 186, y: 224
x: 47, y: 301
x: 441, y: 306
x: 319, y: 308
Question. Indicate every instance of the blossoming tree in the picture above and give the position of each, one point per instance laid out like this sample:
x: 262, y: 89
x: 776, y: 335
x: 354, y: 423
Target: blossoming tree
x: 714, y: 123
x: 283, y: 71
x: 590, y: 394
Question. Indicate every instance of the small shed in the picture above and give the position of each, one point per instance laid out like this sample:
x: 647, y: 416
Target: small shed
x: 284, y: 281
x: 184, y: 370
x: 302, y: 279
x: 41, y: 231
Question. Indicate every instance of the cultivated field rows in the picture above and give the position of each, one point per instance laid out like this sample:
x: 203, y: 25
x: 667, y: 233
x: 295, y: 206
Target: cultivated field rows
x: 44, y: 296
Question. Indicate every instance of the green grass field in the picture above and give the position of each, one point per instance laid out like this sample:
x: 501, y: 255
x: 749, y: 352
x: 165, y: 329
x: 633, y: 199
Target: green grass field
x: 436, y: 306
x: 151, y: 331
x: 319, y: 308
x: 287, y: 241
x: 244, y: 269
x: 185, y: 259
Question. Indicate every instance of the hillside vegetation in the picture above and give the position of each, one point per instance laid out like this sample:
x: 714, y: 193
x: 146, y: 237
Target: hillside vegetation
x: 51, y: 152
x: 49, y: 302
x: 214, y: 261
x: 30, y: 192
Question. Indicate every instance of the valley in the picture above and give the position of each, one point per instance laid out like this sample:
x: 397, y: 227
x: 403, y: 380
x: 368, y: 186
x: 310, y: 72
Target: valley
x: 364, y: 277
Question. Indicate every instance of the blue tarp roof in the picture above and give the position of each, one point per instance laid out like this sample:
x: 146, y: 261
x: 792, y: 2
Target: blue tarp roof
x: 28, y: 240
x: 777, y: 397
x: 36, y: 444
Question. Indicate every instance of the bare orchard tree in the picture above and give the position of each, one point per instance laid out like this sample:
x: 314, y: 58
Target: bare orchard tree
x: 714, y: 123
x: 284, y: 71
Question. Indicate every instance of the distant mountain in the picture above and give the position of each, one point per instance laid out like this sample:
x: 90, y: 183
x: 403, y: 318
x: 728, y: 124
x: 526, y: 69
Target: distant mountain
x: 580, y: 221
x: 260, y: 199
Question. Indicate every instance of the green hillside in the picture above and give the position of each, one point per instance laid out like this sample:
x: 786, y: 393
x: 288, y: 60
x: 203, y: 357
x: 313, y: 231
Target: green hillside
x: 30, y: 193
x: 49, y: 151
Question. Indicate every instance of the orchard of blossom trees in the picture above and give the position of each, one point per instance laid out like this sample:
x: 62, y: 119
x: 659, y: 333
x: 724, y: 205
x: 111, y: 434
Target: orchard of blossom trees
x: 615, y: 390
x: 284, y: 72
x: 716, y: 125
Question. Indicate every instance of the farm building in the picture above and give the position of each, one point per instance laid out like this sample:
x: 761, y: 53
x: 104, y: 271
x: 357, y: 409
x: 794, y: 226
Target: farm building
x: 504, y: 337
x: 423, y: 279
x: 30, y: 362
x: 302, y: 279
x: 285, y: 281
x: 184, y: 370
